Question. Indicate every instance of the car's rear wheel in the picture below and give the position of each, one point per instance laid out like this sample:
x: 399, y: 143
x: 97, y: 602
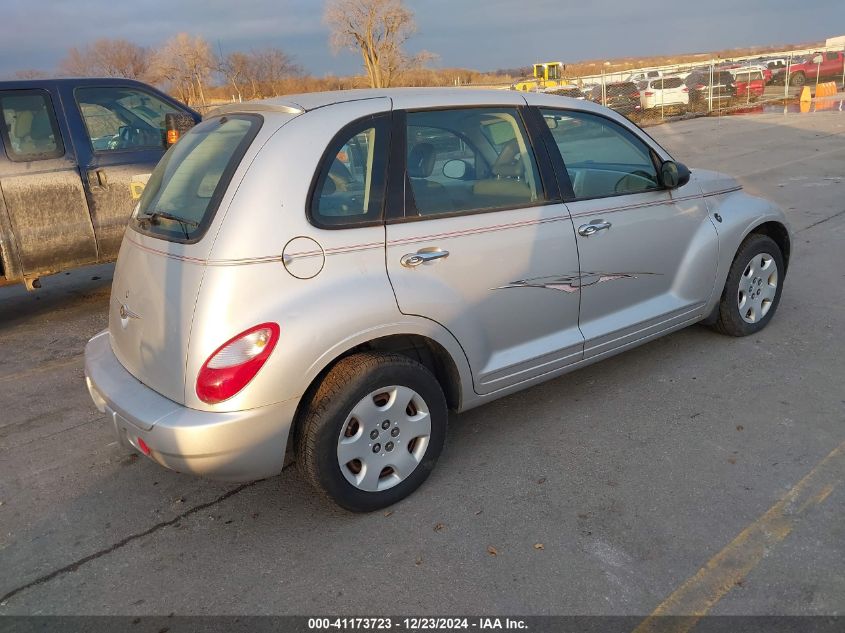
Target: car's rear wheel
x: 373, y: 430
x: 797, y: 79
x: 753, y: 288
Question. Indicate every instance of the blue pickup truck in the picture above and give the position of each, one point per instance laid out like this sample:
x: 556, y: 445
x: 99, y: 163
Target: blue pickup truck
x: 75, y: 155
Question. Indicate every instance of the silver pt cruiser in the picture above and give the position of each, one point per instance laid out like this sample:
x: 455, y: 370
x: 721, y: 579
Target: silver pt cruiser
x: 326, y: 275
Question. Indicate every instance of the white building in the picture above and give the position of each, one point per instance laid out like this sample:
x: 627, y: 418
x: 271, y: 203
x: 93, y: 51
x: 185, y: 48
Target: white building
x: 834, y: 42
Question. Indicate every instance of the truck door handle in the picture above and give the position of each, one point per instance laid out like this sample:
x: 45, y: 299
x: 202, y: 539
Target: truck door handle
x: 593, y: 227
x: 412, y: 260
x: 98, y: 178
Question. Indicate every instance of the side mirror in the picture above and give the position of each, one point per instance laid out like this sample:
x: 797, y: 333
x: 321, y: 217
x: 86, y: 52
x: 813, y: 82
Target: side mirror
x: 674, y: 175
x: 455, y: 169
x: 175, y: 126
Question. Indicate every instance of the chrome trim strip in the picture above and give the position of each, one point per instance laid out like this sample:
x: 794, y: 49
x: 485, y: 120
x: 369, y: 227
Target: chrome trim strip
x: 354, y: 248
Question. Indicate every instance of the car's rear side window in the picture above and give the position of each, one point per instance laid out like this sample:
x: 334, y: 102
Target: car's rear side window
x: 186, y: 187
x: 349, y: 188
x: 29, y: 128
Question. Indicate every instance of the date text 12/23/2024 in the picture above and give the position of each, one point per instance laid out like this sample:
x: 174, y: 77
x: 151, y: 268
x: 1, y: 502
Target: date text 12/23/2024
x: 416, y: 624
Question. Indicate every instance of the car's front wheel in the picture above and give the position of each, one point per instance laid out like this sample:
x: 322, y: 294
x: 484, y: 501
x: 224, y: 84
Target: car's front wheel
x: 373, y: 430
x: 753, y: 288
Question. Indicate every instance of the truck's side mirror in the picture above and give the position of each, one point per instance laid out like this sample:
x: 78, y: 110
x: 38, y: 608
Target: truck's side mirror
x: 674, y: 175
x: 176, y: 124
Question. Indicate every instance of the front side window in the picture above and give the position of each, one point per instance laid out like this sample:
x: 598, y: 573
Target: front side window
x: 187, y: 185
x: 118, y: 118
x: 349, y: 190
x: 29, y: 128
x: 601, y: 157
x: 470, y: 159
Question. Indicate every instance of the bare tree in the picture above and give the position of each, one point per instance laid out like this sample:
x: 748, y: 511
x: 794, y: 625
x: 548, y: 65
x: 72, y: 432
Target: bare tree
x: 184, y: 63
x: 273, y: 67
x: 237, y: 69
x: 264, y: 72
x: 378, y: 29
x: 106, y: 58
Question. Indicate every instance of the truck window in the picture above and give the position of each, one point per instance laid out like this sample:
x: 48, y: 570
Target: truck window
x: 29, y: 129
x: 118, y: 118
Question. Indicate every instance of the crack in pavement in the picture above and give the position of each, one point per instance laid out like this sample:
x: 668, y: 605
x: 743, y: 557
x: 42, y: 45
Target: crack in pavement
x: 822, y: 221
x: 125, y: 541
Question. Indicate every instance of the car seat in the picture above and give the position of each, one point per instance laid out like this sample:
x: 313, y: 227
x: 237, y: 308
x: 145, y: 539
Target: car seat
x: 509, y: 181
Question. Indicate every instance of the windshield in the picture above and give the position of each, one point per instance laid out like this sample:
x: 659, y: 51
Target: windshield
x: 183, y: 192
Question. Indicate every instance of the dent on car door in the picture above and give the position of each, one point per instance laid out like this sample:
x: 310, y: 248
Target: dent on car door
x: 648, y: 254
x: 125, y: 131
x: 47, y: 211
x: 482, y: 243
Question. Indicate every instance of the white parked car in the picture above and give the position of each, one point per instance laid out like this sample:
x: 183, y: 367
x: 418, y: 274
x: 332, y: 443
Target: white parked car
x: 644, y: 75
x: 664, y: 92
x: 326, y: 275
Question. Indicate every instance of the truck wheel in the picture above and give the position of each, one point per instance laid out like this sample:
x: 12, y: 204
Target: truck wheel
x: 373, y: 431
x: 797, y: 79
x: 752, y: 290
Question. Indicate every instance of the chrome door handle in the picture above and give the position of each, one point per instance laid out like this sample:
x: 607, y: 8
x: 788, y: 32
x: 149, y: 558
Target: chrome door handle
x: 593, y: 227
x: 412, y: 260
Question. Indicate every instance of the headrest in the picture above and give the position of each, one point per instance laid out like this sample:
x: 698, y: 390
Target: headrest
x: 41, y: 128
x: 421, y: 160
x: 510, y: 163
x: 23, y: 124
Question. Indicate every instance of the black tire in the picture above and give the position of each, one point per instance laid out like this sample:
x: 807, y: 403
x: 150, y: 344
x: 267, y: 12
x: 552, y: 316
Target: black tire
x: 346, y: 384
x: 797, y: 79
x: 730, y: 321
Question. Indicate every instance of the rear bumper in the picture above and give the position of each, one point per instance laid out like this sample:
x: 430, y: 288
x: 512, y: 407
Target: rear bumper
x: 236, y: 446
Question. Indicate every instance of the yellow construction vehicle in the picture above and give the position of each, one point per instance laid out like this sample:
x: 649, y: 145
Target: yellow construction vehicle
x: 547, y: 75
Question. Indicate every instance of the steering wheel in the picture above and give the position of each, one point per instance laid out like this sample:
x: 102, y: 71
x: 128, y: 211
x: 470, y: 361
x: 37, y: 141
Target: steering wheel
x: 638, y: 180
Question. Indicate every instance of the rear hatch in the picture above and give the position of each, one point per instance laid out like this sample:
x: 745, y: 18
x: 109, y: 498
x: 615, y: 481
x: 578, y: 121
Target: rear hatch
x: 162, y: 258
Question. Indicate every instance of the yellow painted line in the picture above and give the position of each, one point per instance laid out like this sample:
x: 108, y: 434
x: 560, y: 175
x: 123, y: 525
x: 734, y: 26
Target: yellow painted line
x: 50, y: 365
x: 700, y: 593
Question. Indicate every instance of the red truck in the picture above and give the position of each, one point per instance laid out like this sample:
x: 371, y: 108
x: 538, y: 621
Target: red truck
x: 824, y: 65
x: 749, y: 83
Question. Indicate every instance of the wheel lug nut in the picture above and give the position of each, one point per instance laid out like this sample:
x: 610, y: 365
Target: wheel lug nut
x: 388, y: 447
x: 394, y: 431
x: 373, y: 434
x: 385, y: 425
x: 376, y: 448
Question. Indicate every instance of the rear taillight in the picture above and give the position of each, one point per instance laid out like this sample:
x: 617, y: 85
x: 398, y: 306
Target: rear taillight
x: 648, y: 94
x: 230, y: 368
x: 699, y: 86
x: 684, y: 89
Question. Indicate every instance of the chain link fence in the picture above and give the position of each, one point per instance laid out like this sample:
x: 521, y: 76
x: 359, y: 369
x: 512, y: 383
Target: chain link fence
x: 719, y: 86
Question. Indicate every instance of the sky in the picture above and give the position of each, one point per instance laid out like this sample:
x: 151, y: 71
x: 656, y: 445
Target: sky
x: 477, y: 34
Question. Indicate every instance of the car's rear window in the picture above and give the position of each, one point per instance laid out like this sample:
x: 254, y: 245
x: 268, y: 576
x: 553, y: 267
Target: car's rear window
x: 186, y: 187
x: 623, y: 88
x: 667, y: 83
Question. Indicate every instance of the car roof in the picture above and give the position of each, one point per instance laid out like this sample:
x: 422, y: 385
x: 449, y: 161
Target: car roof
x: 23, y: 84
x: 408, y: 98
x: 401, y: 97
